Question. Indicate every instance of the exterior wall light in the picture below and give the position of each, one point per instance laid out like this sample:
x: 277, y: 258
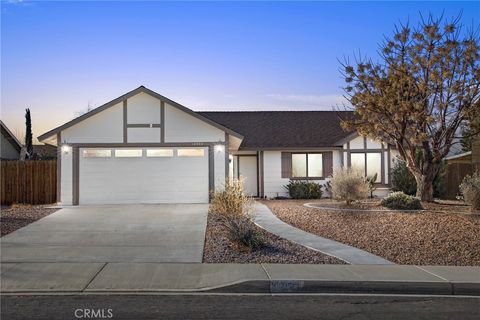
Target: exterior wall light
x: 66, y: 149
x: 219, y: 147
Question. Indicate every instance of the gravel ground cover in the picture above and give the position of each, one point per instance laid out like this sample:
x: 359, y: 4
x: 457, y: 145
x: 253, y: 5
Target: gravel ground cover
x: 219, y: 249
x: 443, y: 235
x: 447, y: 206
x: 18, y: 216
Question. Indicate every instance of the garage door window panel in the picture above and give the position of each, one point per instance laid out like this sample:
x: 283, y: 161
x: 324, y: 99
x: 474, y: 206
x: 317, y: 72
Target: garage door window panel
x: 128, y: 153
x: 191, y: 152
x: 159, y: 153
x: 96, y: 153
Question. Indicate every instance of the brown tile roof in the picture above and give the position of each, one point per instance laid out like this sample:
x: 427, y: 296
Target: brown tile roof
x: 284, y: 129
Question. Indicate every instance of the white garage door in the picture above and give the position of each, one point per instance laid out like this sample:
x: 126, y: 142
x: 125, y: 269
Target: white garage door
x: 143, y: 175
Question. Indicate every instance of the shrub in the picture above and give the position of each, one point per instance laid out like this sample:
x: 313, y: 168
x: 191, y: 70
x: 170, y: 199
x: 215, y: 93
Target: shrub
x: 403, y: 180
x: 304, y: 189
x: 235, y: 209
x: 401, y: 201
x: 470, y: 189
x: 243, y: 232
x: 349, y: 184
x: 371, y: 184
x: 231, y: 201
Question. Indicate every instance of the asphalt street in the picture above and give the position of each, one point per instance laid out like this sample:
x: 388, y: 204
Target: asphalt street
x: 265, y: 307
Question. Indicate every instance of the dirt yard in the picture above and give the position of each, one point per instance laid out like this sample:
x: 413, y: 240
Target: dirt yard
x: 444, y: 234
x: 18, y: 216
x: 219, y: 249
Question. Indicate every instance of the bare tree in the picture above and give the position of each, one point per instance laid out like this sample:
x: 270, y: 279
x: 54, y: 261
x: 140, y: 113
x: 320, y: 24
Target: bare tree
x: 424, y: 87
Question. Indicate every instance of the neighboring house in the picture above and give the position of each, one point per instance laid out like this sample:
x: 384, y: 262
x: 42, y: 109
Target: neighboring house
x: 145, y: 148
x: 10, y: 147
x: 44, y: 152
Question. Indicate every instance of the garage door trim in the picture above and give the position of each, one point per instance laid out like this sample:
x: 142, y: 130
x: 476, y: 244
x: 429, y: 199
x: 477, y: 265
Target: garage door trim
x: 76, y: 159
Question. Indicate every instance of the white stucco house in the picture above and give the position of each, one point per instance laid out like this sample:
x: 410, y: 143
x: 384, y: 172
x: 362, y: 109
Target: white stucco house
x: 145, y: 148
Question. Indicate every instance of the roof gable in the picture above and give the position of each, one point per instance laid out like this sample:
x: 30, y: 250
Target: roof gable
x: 126, y: 96
x: 10, y: 136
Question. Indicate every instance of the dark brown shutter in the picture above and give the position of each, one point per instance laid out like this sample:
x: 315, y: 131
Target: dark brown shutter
x: 286, y: 164
x: 327, y: 164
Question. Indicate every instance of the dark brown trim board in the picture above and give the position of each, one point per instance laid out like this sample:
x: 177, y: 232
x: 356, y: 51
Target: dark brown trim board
x: 125, y: 121
x: 162, y: 121
x: 124, y: 99
x: 211, y: 171
x: 143, y: 145
x: 75, y: 175
x: 59, y: 166
x: 227, y: 157
x: 262, y: 174
x: 143, y: 125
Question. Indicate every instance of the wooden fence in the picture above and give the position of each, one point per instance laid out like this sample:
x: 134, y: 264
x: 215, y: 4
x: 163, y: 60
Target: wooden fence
x: 32, y: 182
x: 454, y: 177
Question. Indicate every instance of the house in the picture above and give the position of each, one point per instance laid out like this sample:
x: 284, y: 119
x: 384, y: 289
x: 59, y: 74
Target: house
x: 10, y: 147
x: 44, y: 152
x: 145, y: 148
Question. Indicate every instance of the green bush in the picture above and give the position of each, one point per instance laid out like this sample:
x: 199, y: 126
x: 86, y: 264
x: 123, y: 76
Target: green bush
x: 470, y: 189
x: 304, y: 189
x: 401, y: 201
x: 242, y: 231
x: 403, y: 180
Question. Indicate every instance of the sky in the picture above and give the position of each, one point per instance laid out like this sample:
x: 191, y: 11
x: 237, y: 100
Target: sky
x: 59, y: 58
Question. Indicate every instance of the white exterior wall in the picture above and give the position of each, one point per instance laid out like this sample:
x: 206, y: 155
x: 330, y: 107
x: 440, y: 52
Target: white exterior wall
x: 66, y: 178
x: 219, y: 167
x: 371, y: 144
x: 272, y: 170
x: 182, y: 127
x: 337, y: 159
x: 143, y: 134
x: 103, y: 127
x: 357, y: 143
x: 143, y: 108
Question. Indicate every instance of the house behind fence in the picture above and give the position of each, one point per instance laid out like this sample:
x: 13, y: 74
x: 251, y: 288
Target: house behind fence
x: 28, y: 182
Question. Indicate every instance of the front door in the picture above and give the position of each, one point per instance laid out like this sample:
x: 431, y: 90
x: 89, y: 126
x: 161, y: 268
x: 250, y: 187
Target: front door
x: 247, y: 168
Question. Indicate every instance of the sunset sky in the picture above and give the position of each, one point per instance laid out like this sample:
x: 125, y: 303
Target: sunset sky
x: 58, y: 58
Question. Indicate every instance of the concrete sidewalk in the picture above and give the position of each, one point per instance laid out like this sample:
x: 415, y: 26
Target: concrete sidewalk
x: 265, y: 219
x: 239, y: 278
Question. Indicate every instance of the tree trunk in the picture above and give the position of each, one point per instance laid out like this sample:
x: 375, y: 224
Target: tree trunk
x: 425, y: 187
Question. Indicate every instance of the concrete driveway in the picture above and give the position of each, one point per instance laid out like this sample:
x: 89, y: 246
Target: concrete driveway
x: 113, y: 233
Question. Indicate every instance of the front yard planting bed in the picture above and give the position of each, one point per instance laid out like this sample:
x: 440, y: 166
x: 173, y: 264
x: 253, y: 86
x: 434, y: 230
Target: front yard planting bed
x: 18, y: 216
x: 219, y: 249
x: 443, y: 234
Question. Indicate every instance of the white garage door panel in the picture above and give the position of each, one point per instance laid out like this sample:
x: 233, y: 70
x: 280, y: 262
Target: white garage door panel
x: 143, y: 180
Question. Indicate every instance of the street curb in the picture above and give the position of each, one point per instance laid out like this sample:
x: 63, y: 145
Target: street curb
x: 301, y: 287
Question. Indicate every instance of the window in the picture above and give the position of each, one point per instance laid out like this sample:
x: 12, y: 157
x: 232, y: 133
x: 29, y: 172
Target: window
x: 128, y: 153
x: 358, y: 161
x: 96, y: 153
x: 299, y: 165
x: 369, y: 163
x: 374, y: 166
x: 159, y: 152
x: 307, y: 165
x: 190, y: 152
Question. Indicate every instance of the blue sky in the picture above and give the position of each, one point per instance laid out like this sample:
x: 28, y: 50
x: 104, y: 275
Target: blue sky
x: 59, y: 57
